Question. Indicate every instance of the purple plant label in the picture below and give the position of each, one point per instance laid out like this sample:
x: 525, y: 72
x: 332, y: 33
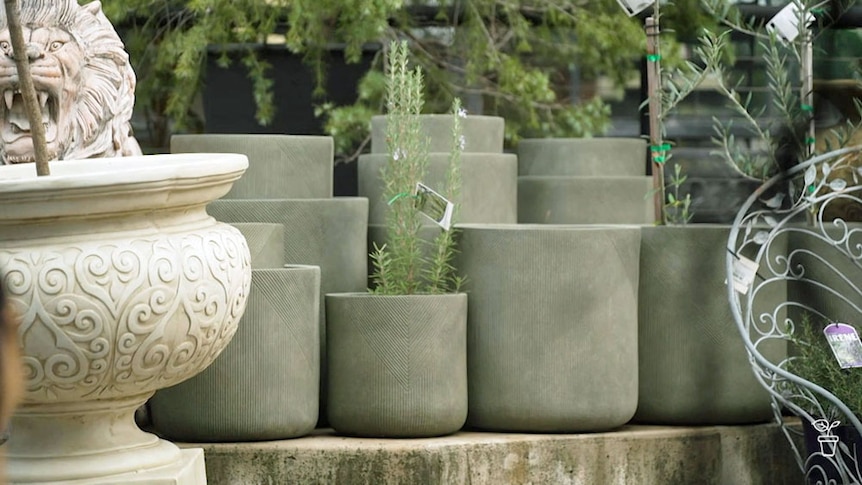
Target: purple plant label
x: 845, y: 344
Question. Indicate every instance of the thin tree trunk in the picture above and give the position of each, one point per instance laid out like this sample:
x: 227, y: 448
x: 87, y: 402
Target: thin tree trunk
x: 656, y: 141
x: 28, y: 91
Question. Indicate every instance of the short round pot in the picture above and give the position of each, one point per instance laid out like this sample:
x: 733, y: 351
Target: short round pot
x: 584, y: 200
x: 264, y: 386
x: 482, y: 134
x: 279, y: 166
x: 397, y: 364
x: 582, y: 157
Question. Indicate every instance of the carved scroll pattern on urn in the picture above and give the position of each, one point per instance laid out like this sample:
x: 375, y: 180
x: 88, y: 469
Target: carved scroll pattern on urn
x: 84, y: 82
x: 169, y: 296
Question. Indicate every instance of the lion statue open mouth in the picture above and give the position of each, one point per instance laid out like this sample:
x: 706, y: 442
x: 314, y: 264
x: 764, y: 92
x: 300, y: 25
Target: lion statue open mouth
x: 84, y: 83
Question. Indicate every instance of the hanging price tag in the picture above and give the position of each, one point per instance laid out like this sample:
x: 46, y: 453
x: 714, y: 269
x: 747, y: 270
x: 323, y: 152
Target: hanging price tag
x: 845, y: 344
x: 434, y: 206
x: 744, y: 271
x: 786, y: 22
x: 634, y: 7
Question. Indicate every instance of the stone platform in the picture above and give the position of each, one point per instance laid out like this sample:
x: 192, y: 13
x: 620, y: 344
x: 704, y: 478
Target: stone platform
x: 632, y: 455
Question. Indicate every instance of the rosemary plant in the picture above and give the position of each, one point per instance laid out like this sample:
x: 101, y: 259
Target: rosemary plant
x: 816, y: 363
x: 403, y: 266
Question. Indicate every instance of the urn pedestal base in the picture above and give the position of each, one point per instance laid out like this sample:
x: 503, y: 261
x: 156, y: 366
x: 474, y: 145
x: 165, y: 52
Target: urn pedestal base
x: 189, y: 470
x: 93, y: 442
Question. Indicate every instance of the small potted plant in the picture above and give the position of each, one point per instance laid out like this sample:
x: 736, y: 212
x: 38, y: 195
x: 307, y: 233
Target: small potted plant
x: 397, y: 354
x: 829, y: 443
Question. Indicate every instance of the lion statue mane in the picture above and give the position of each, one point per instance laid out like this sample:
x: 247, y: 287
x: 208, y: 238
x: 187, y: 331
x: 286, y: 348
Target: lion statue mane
x: 84, y: 83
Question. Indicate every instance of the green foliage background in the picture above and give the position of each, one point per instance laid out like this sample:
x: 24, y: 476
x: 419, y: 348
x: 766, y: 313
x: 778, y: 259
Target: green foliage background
x: 515, y: 55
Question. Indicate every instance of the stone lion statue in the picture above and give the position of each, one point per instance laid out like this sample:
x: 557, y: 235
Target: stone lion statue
x: 83, y: 78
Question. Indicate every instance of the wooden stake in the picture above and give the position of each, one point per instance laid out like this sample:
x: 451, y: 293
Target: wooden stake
x: 807, y: 94
x: 653, y: 89
x: 28, y: 91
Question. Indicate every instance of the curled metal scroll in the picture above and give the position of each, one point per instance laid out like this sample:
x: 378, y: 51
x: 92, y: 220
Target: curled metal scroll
x: 798, y: 229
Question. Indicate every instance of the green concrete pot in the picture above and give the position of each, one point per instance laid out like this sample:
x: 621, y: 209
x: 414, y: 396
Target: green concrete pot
x: 584, y: 200
x: 397, y: 364
x: 279, y: 166
x: 489, y: 185
x: 694, y: 369
x: 265, y: 243
x: 482, y: 134
x: 552, y: 326
x: 329, y: 233
x: 582, y: 157
x: 264, y: 386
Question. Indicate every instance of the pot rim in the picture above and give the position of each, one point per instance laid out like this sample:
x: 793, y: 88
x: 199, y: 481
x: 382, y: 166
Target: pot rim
x: 526, y: 227
x: 114, y: 171
x: 446, y: 116
x: 118, y: 186
x: 364, y: 294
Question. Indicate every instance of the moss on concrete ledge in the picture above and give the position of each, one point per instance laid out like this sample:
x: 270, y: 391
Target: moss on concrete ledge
x: 732, y: 455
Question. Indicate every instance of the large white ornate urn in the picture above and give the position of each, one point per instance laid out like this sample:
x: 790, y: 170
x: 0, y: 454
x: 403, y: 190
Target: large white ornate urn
x: 125, y: 286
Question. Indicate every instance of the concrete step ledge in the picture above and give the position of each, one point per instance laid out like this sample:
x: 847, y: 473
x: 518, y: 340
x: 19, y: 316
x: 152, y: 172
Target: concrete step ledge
x: 731, y: 455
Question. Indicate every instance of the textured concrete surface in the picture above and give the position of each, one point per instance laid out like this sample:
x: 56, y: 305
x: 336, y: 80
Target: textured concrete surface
x: 279, y: 166
x: 550, y: 350
x: 482, y: 134
x: 633, y: 455
x: 584, y: 200
x: 580, y: 157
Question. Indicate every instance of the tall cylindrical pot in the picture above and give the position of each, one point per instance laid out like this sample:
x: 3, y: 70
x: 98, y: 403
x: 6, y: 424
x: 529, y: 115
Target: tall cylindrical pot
x: 694, y: 369
x: 397, y: 364
x: 330, y: 233
x: 552, y: 326
x: 264, y: 386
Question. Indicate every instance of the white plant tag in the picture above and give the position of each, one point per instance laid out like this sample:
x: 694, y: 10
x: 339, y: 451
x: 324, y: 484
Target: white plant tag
x: 845, y: 344
x: 786, y: 22
x: 434, y: 206
x: 744, y: 271
x: 634, y: 7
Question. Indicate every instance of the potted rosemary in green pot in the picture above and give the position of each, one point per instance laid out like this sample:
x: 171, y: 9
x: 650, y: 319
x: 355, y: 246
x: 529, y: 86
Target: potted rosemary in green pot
x: 397, y: 355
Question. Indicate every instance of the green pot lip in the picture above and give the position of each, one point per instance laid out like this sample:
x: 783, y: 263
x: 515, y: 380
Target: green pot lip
x: 288, y: 268
x: 588, y: 179
x: 257, y: 136
x: 364, y: 295
x: 330, y: 200
x: 599, y: 139
x: 690, y: 226
x: 468, y: 157
x: 520, y: 227
x: 436, y: 116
